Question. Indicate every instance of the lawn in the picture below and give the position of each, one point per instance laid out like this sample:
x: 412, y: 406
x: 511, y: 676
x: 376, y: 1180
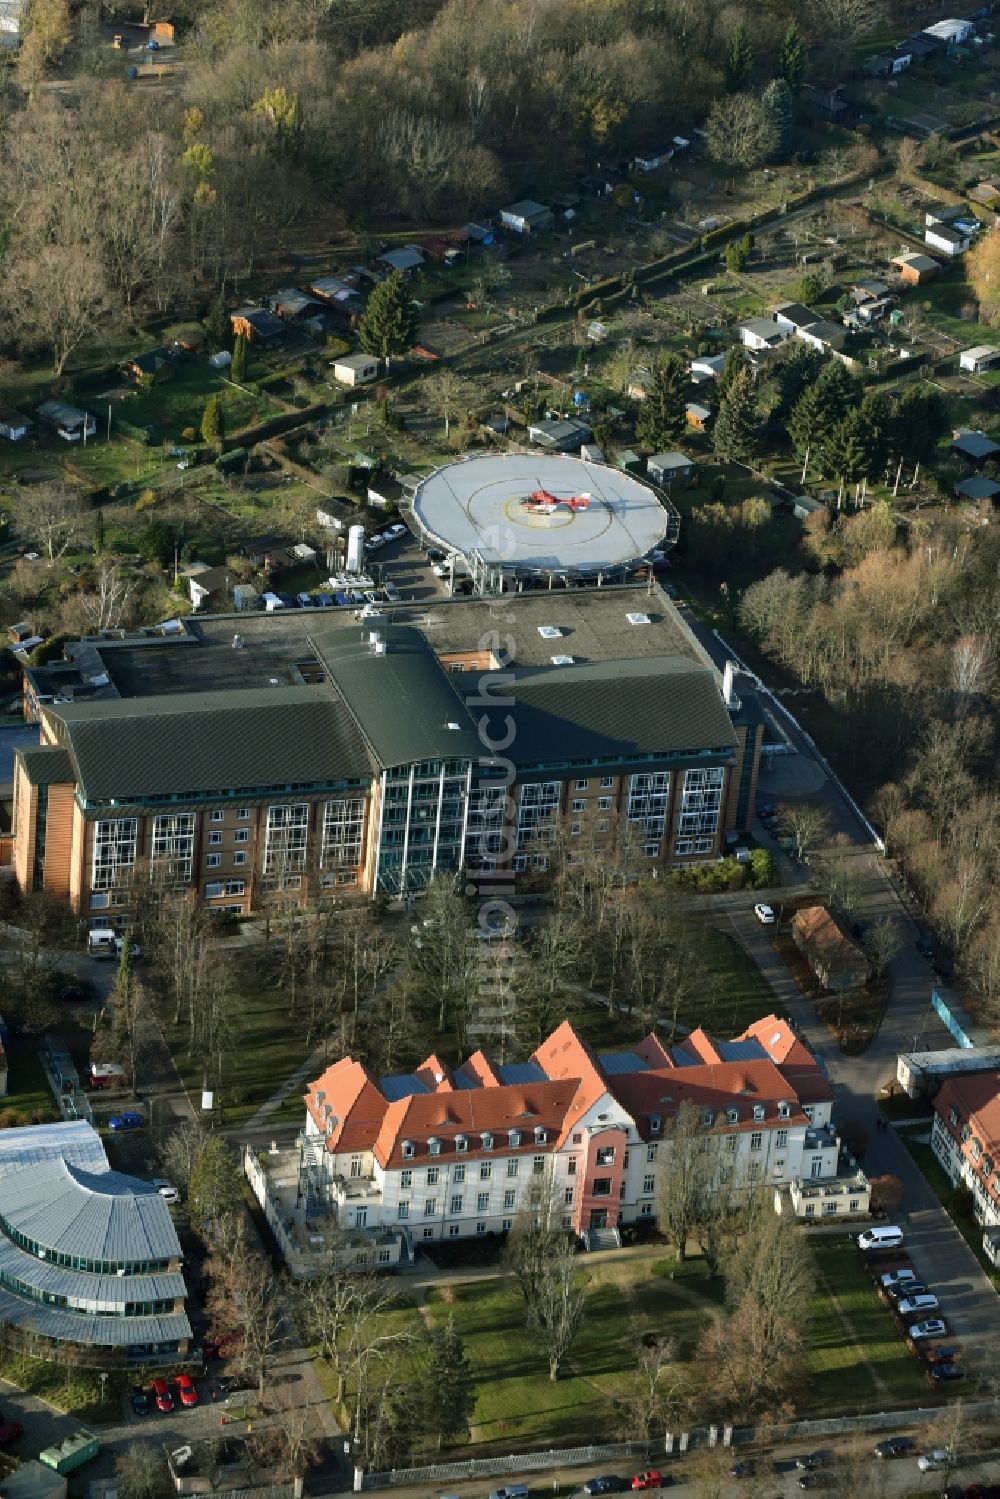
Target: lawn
x: 75, y: 1391
x: 178, y: 402
x: 27, y: 1090
x: 265, y: 1047
x: 857, y: 1358
x: 740, y: 994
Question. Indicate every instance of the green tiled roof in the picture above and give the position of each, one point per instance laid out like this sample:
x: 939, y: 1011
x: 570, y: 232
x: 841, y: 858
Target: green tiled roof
x: 659, y: 705
x: 405, y: 703
x: 46, y: 764
x: 210, y: 743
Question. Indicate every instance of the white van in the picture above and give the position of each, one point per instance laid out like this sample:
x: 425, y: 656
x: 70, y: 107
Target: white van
x: 105, y: 1075
x: 880, y: 1238
x: 101, y: 942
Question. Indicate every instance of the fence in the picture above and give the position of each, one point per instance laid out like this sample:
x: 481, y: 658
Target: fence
x: 571, y: 1457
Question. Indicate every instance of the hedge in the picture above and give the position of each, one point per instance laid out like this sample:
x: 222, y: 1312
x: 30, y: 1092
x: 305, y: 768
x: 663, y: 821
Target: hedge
x: 275, y: 424
x: 137, y: 434
x: 234, y: 459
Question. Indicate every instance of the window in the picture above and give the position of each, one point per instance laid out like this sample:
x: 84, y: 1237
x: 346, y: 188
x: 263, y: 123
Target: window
x: 512, y: 1167
x: 480, y: 1228
x: 485, y: 1170
x: 571, y: 1166
x: 286, y: 837
x: 781, y: 1138
x: 541, y: 1135
x: 647, y: 1184
x: 461, y: 1144
x: 579, y: 805
x: 756, y: 1139
x: 432, y: 1176
x: 732, y: 1116
x: 625, y: 1161
x: 537, y: 810
x: 784, y: 1111
x: 456, y: 1203
x: 646, y: 1210
x: 343, y: 824
x: 513, y: 1140
x: 213, y: 889
x: 779, y: 1166
x: 454, y: 1229
x: 602, y: 1186
x: 408, y: 1150
x: 701, y: 803
x: 242, y: 813
x: 114, y: 850
x: 654, y: 1124
x: 650, y: 1152
x: 483, y: 1202
x: 808, y: 1111
x: 753, y: 1171
x: 648, y: 800
x: 430, y: 1207
x: 234, y: 887
x: 507, y: 1225
x: 508, y: 1199
x: 217, y: 815
x: 403, y: 1211
x: 458, y: 1175
x: 853, y: 1205
x: 577, y: 1139
x: 242, y: 835
x: 651, y: 849
x: 355, y: 1165
x: 606, y: 1155
x: 810, y: 1210
x: 582, y: 785
x: 607, y: 780
x: 575, y: 829
x: 214, y: 839
x: 434, y: 1145
x: 239, y: 860
x: 538, y: 1165
x: 213, y: 861
x: 758, y: 1111
x: 406, y: 1178
x: 830, y: 1207
x: 604, y: 803
x: 487, y: 1140
x: 428, y: 1233
x: 568, y: 1197
x: 731, y: 1141
x: 173, y: 843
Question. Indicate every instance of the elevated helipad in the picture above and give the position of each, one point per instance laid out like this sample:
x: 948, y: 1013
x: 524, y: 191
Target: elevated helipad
x: 488, y: 504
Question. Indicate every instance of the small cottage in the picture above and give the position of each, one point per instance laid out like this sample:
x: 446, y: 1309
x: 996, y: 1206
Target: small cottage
x: 832, y: 954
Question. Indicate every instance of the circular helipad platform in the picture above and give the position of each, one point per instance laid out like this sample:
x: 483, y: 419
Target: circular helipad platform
x: 540, y: 513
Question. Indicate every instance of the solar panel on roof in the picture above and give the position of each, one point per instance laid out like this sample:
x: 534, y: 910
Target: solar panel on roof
x: 395, y: 1088
x: 741, y: 1051
x: 682, y: 1058
x: 615, y: 1063
x: 521, y: 1072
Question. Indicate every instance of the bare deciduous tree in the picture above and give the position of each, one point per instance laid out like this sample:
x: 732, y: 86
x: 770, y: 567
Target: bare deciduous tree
x: 53, y: 514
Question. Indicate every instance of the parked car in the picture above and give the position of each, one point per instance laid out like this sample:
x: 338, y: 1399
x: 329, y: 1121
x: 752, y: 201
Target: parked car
x: 610, y: 1483
x: 925, y: 947
x: 161, y: 1394
x: 131, y: 1119
x: 894, y: 1277
x: 229, y: 1384
x: 933, y: 1327
x: 764, y: 914
x: 373, y: 543
x: 745, y: 1468
x: 894, y: 1446
x: 186, y: 1390
x: 396, y: 530
x: 913, y: 1306
x: 929, y: 1462
x: 945, y: 1373
x: 810, y: 1460
x: 10, y: 1431
x: 943, y: 1353
x: 105, y: 1075
x: 812, y: 1480
x: 139, y: 1401
x: 167, y: 1191
x: 906, y: 1290
x: 651, y: 1480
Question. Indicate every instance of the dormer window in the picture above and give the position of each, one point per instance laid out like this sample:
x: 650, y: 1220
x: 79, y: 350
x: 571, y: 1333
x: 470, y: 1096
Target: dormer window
x: 733, y: 1116
x: 514, y: 1136
x: 461, y: 1144
x: 434, y: 1145
x: 784, y: 1110
x: 654, y: 1124
x: 541, y: 1135
x: 758, y: 1112
x: 487, y: 1141
x: 409, y: 1150
x: 708, y: 1118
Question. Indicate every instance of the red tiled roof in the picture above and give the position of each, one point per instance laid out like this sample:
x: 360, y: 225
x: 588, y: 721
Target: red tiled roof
x: 471, y: 1112
x: 977, y: 1098
x: 435, y: 1075
x: 567, y: 1055
x: 720, y: 1086
x: 355, y: 1102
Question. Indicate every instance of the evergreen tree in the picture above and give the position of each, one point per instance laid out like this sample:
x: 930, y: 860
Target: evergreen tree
x: 738, y: 251
x: 238, y: 368
x: 737, y: 426
x: 791, y: 59
x: 738, y: 62
x: 877, y: 420
x: 389, y: 323
x: 840, y: 389
x: 212, y: 422
x: 663, y: 418
x: 217, y: 322
x: 795, y: 366
x: 736, y: 361
x: 777, y: 100
x: 810, y: 420
x: 449, y: 1391
x: 843, y: 451
x: 921, y: 421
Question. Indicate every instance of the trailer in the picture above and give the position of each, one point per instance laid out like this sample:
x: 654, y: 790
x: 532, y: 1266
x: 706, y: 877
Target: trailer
x: 72, y: 1452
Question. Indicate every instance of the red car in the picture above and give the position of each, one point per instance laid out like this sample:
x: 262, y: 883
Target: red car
x: 186, y: 1389
x: 162, y: 1396
x: 10, y: 1431
x: 647, y: 1481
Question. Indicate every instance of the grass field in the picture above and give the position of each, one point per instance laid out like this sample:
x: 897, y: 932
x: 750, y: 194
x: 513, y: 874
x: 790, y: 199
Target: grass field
x: 27, y: 1090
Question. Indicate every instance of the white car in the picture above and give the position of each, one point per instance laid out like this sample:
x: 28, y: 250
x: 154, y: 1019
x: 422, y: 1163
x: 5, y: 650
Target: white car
x: 896, y: 1277
x: 934, y: 1327
x: 764, y: 914
x: 167, y: 1191
x: 373, y: 543
x: 911, y: 1306
x: 397, y: 530
x: 929, y: 1462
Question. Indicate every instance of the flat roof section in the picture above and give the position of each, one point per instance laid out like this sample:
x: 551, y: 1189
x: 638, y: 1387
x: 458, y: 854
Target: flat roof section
x: 478, y: 505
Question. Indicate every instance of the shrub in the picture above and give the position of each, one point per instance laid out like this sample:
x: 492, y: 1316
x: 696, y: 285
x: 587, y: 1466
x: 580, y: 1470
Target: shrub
x: 189, y: 435
x: 146, y: 500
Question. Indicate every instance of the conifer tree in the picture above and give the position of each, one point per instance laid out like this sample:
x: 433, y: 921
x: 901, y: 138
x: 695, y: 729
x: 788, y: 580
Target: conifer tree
x: 737, y: 426
x: 238, y: 368
x: 389, y: 324
x: 739, y: 59
x: 844, y: 451
x: 663, y: 418
x: 810, y: 420
x: 212, y: 422
x: 777, y: 100
x: 449, y: 1390
x: 791, y: 61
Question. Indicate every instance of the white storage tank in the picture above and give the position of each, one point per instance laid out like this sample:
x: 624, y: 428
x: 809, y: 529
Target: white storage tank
x: 355, y: 548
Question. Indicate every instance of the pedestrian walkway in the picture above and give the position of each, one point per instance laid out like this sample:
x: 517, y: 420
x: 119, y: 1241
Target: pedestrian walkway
x: 310, y: 1067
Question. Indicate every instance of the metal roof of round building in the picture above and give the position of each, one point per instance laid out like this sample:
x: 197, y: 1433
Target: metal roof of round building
x: 541, y: 513
x: 103, y: 1216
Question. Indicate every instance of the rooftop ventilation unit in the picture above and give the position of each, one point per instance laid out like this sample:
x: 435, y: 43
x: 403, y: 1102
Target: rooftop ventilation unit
x: 561, y: 660
x: 550, y: 632
x: 379, y: 647
x: 638, y: 619
x: 237, y: 642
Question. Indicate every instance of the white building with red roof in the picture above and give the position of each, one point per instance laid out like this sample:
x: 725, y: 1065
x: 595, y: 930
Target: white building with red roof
x: 446, y: 1153
x: 966, y: 1138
